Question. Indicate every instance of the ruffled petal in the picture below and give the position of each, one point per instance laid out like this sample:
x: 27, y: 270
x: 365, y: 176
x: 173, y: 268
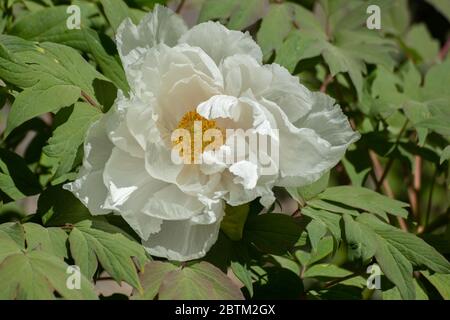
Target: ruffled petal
x: 89, y: 187
x: 287, y: 92
x: 118, y: 129
x: 184, y: 240
x: 156, y: 72
x: 129, y: 189
x: 219, y: 42
x: 307, y: 150
x: 170, y: 203
x: 160, y: 26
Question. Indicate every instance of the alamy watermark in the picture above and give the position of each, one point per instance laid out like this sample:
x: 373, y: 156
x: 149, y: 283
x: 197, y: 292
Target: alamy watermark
x: 74, y: 19
x: 73, y: 281
x: 226, y: 147
x: 373, y: 22
x: 374, y: 280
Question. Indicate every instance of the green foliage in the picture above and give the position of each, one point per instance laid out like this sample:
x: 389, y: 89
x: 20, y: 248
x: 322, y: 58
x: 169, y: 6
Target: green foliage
x: 386, y: 202
x: 169, y: 282
x: 32, y: 265
x: 114, y: 252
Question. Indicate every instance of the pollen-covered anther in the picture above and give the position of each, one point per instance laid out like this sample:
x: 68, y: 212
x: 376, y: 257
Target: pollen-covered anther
x: 200, y: 132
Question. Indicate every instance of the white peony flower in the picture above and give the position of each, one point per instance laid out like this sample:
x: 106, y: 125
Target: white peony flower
x: 215, y: 76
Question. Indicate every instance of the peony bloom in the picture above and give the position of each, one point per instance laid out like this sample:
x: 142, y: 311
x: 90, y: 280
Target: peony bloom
x: 214, y: 76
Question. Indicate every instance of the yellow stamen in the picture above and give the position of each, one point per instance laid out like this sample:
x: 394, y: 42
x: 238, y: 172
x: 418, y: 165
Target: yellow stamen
x: 188, y: 122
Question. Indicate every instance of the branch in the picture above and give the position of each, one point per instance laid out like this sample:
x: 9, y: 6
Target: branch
x: 380, y: 180
x: 326, y: 82
x: 445, y: 49
x: 413, y: 190
x: 441, y: 221
x: 378, y: 168
x: 180, y: 6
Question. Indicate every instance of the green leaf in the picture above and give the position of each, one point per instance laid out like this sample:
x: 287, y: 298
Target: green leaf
x: 442, y: 6
x: 361, y: 240
x: 394, y: 294
x: 114, y: 252
x: 328, y: 206
x: 54, y: 76
x: 46, y: 24
x: 16, y: 179
x: 200, y: 281
x: 298, y: 46
x: 241, y: 14
x: 46, y: 96
x: 66, y: 139
x: 329, y: 219
x: 233, y: 222
x: 441, y: 282
x: 316, y: 231
x: 420, y: 39
x: 365, y: 199
x: 397, y: 268
x: 417, y: 251
x: 310, y: 191
x: 151, y: 279
x: 356, y: 176
x: 272, y: 233
x: 324, y: 249
x: 49, y: 24
x: 14, y: 230
x: 445, y: 155
x: 275, y: 27
x: 244, y: 274
x: 8, y: 247
x: 36, y: 275
x: 116, y: 11
x: 326, y: 270
x: 343, y: 44
x: 51, y: 240
x: 82, y: 254
x: 278, y: 283
x: 57, y: 207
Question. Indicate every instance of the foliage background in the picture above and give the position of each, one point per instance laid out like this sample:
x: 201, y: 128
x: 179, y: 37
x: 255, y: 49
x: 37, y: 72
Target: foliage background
x: 386, y: 202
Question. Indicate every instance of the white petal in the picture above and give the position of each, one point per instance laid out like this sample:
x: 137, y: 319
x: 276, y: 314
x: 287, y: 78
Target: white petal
x: 184, y: 96
x: 160, y: 26
x: 89, y: 187
x: 286, y: 91
x: 119, y: 131
x: 159, y: 163
x: 237, y: 194
x: 219, y: 106
x: 219, y: 42
x: 246, y: 173
x: 243, y: 73
x: 184, y: 240
x: 305, y: 155
x: 161, y: 67
x: 272, y: 82
x: 170, y: 203
x: 129, y: 189
x: 328, y: 121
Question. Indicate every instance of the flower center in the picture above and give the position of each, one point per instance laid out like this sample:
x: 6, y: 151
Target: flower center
x: 199, y: 132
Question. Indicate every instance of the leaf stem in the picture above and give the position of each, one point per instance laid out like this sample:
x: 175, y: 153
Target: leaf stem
x: 89, y: 99
x: 328, y: 79
x: 430, y: 197
x: 337, y: 281
x: 445, y: 49
x: 180, y: 6
x: 391, y: 159
x: 386, y: 186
